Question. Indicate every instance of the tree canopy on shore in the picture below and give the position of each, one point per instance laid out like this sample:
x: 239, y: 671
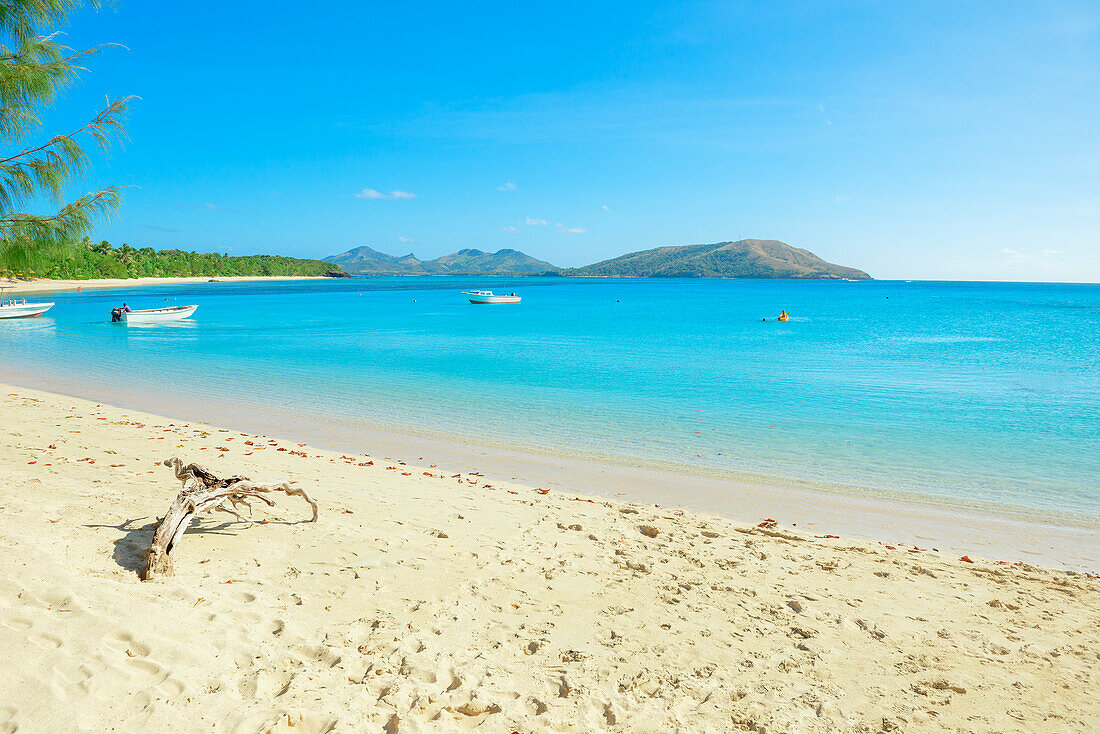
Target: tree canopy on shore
x: 86, y: 260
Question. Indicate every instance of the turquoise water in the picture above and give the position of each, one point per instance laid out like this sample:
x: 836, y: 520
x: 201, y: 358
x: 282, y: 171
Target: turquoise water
x: 982, y: 394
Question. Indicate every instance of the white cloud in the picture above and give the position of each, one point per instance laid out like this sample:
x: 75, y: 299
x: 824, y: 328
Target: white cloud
x: 840, y: 198
x: 375, y: 194
x: 211, y: 206
x: 1043, y: 257
x: 510, y: 228
x: 507, y: 187
x: 406, y: 240
x: 531, y: 222
x: 573, y: 230
x: 606, y: 208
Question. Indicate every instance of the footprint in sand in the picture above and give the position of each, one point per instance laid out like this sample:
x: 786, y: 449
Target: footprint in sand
x: 19, y: 624
x: 124, y: 642
x: 171, y: 687
x: 318, y: 654
x: 7, y: 720
x: 140, y: 668
x: 298, y: 722
x: 265, y: 684
x: 46, y: 642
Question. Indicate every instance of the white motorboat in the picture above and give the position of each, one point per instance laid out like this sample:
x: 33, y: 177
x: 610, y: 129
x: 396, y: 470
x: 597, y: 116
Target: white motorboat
x: 152, y: 315
x: 489, y: 297
x: 20, y: 309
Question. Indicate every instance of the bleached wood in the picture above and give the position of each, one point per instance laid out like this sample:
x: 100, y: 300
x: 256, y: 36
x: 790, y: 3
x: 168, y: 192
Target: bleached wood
x: 203, y: 491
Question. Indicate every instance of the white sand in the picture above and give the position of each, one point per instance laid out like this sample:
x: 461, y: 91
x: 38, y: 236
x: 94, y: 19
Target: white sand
x: 48, y: 285
x: 442, y: 603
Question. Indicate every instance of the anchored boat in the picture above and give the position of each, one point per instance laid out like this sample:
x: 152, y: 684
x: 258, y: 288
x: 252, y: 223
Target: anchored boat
x: 12, y: 309
x: 490, y: 297
x: 152, y: 315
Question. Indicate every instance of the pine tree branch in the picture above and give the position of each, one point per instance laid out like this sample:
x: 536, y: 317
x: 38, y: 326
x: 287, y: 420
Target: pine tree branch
x: 107, y: 118
x: 46, y: 168
x: 32, y: 70
x: 71, y: 221
x: 26, y: 78
x: 20, y: 18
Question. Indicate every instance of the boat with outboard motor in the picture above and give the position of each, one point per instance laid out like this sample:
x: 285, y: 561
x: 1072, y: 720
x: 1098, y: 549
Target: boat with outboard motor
x: 151, y: 315
x: 13, y: 309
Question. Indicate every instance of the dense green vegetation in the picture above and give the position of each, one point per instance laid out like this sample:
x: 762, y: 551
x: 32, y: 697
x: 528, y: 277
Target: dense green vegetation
x: 84, y: 260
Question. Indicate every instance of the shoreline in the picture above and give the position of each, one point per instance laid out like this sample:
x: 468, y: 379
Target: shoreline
x: 425, y: 600
x: 48, y: 285
x: 951, y: 528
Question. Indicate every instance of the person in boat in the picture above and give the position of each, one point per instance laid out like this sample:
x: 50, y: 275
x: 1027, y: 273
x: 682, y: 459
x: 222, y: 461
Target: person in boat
x: 126, y: 308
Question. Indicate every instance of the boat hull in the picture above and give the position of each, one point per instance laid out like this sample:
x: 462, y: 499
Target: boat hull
x: 490, y: 300
x: 24, y: 310
x: 157, y: 315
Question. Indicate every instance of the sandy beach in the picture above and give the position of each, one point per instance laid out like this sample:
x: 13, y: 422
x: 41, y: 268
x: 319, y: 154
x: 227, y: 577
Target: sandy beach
x: 47, y: 285
x: 427, y: 600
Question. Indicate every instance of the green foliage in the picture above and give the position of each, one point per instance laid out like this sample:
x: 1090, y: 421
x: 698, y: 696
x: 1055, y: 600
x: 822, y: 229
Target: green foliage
x: 85, y: 260
x: 34, y: 66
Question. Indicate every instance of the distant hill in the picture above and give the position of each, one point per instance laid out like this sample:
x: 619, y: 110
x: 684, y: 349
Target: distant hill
x: 742, y: 259
x: 368, y: 261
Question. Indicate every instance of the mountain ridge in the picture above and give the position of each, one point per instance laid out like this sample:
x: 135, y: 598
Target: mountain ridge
x: 752, y: 258
x: 468, y: 261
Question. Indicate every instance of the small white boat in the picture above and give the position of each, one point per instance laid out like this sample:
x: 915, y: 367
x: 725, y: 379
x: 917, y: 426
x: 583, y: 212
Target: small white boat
x: 12, y: 309
x: 490, y: 297
x: 152, y: 315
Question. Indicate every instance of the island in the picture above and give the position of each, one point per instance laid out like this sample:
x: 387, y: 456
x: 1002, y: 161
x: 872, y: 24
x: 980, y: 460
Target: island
x: 751, y: 258
x: 368, y: 261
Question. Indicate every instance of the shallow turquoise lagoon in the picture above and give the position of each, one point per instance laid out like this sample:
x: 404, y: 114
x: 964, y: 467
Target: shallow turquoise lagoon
x: 982, y: 394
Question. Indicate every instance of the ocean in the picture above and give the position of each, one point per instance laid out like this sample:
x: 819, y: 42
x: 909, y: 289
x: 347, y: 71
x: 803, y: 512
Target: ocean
x: 983, y: 395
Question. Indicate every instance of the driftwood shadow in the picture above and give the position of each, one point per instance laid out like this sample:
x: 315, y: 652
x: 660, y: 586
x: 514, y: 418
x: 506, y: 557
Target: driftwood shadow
x: 132, y: 549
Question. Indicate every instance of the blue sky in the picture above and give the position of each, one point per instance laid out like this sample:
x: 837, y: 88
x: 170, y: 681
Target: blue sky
x: 913, y: 140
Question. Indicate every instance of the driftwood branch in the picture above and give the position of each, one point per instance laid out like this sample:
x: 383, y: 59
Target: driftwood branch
x: 203, y: 491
